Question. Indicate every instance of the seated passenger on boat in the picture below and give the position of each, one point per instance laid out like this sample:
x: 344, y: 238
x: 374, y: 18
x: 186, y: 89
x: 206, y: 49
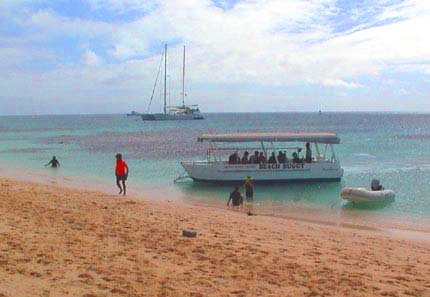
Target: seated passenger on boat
x: 296, y: 158
x: 286, y: 158
x: 245, y: 158
x: 272, y: 159
x: 308, y: 153
x: 375, y: 185
x: 282, y: 157
x: 254, y: 159
x: 262, y: 158
x: 234, y: 158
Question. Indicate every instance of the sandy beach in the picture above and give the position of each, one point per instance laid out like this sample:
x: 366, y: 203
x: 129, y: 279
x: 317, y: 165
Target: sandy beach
x: 56, y: 241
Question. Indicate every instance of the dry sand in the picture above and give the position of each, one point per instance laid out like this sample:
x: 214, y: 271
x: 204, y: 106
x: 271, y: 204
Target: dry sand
x: 62, y: 242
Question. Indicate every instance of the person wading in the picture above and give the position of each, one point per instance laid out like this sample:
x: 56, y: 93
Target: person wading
x: 121, y: 173
x: 54, y: 162
x: 249, y: 194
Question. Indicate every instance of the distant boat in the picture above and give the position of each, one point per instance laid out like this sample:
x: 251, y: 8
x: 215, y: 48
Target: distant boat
x: 320, y: 112
x: 134, y: 114
x: 171, y: 113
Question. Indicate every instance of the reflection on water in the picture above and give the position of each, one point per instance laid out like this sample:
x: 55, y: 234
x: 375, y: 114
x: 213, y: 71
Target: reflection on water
x: 306, y: 193
x: 367, y: 206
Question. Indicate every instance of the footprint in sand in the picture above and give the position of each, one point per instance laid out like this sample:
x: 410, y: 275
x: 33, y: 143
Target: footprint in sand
x: 85, y: 276
x: 118, y: 291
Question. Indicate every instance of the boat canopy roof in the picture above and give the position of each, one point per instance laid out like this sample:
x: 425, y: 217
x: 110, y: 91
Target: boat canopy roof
x: 319, y: 137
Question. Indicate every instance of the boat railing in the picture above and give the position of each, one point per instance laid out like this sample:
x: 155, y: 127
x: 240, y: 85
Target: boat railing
x: 225, y: 162
x: 249, y: 149
x: 223, y: 150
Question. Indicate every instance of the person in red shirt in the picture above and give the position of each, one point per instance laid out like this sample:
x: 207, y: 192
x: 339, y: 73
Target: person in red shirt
x: 121, y: 173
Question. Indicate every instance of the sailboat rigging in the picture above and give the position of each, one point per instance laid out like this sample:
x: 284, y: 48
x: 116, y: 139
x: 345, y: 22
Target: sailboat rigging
x: 182, y: 112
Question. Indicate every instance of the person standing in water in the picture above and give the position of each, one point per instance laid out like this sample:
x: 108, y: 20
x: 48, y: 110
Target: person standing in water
x: 121, y: 173
x: 249, y: 194
x: 54, y: 162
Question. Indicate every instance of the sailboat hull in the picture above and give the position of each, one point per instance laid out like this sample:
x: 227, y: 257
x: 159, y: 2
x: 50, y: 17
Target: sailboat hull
x: 170, y: 117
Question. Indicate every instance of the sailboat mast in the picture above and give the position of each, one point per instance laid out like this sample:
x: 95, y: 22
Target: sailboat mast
x: 183, y: 80
x: 165, y: 78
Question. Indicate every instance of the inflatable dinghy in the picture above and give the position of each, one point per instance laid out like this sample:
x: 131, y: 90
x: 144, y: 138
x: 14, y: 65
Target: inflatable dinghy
x: 365, y: 195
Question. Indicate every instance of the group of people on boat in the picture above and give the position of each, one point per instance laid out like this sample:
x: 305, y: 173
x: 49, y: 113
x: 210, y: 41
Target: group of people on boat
x: 281, y: 158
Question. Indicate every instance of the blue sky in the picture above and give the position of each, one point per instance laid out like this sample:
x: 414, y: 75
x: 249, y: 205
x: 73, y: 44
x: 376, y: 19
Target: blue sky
x: 101, y: 56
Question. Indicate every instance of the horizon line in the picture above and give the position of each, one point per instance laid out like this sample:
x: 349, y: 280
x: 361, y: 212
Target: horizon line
x: 234, y: 112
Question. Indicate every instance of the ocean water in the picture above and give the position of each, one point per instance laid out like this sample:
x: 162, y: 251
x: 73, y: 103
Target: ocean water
x: 394, y: 147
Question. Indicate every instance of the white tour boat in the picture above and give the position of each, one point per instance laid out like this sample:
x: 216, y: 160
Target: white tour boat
x: 324, y: 166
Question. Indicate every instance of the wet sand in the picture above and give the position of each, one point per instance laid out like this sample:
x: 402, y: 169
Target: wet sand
x: 56, y: 241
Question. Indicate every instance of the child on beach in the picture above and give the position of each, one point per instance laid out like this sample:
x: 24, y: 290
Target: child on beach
x: 121, y: 173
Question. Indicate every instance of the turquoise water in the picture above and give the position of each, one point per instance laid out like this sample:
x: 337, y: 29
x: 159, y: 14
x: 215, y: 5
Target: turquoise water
x: 394, y: 147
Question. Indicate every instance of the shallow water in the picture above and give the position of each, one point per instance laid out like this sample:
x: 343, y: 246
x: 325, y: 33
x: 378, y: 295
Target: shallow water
x: 394, y: 147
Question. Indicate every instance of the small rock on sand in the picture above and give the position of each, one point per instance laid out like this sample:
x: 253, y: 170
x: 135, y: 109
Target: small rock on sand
x: 189, y: 233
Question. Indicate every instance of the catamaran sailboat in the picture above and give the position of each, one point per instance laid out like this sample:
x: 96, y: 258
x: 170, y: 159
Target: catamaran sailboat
x: 322, y: 166
x: 181, y: 112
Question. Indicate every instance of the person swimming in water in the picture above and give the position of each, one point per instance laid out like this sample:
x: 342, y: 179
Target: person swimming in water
x: 54, y: 162
x: 121, y: 173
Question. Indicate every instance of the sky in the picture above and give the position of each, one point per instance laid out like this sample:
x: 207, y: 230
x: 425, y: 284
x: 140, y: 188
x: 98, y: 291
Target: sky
x: 102, y: 56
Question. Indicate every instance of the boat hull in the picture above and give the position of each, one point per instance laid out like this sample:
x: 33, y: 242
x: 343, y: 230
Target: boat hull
x: 170, y: 117
x: 221, y: 172
x: 364, y: 195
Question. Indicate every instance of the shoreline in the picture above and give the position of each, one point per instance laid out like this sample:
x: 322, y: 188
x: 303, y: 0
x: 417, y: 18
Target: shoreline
x: 60, y: 241
x: 304, y: 213
x: 332, y: 217
x: 316, y: 215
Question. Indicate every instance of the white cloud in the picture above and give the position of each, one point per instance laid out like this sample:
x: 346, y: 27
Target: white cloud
x: 277, y: 42
x: 16, y: 58
x: 340, y: 83
x: 122, y: 6
x: 405, y: 9
x: 270, y: 43
x: 52, y: 25
x: 89, y: 58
